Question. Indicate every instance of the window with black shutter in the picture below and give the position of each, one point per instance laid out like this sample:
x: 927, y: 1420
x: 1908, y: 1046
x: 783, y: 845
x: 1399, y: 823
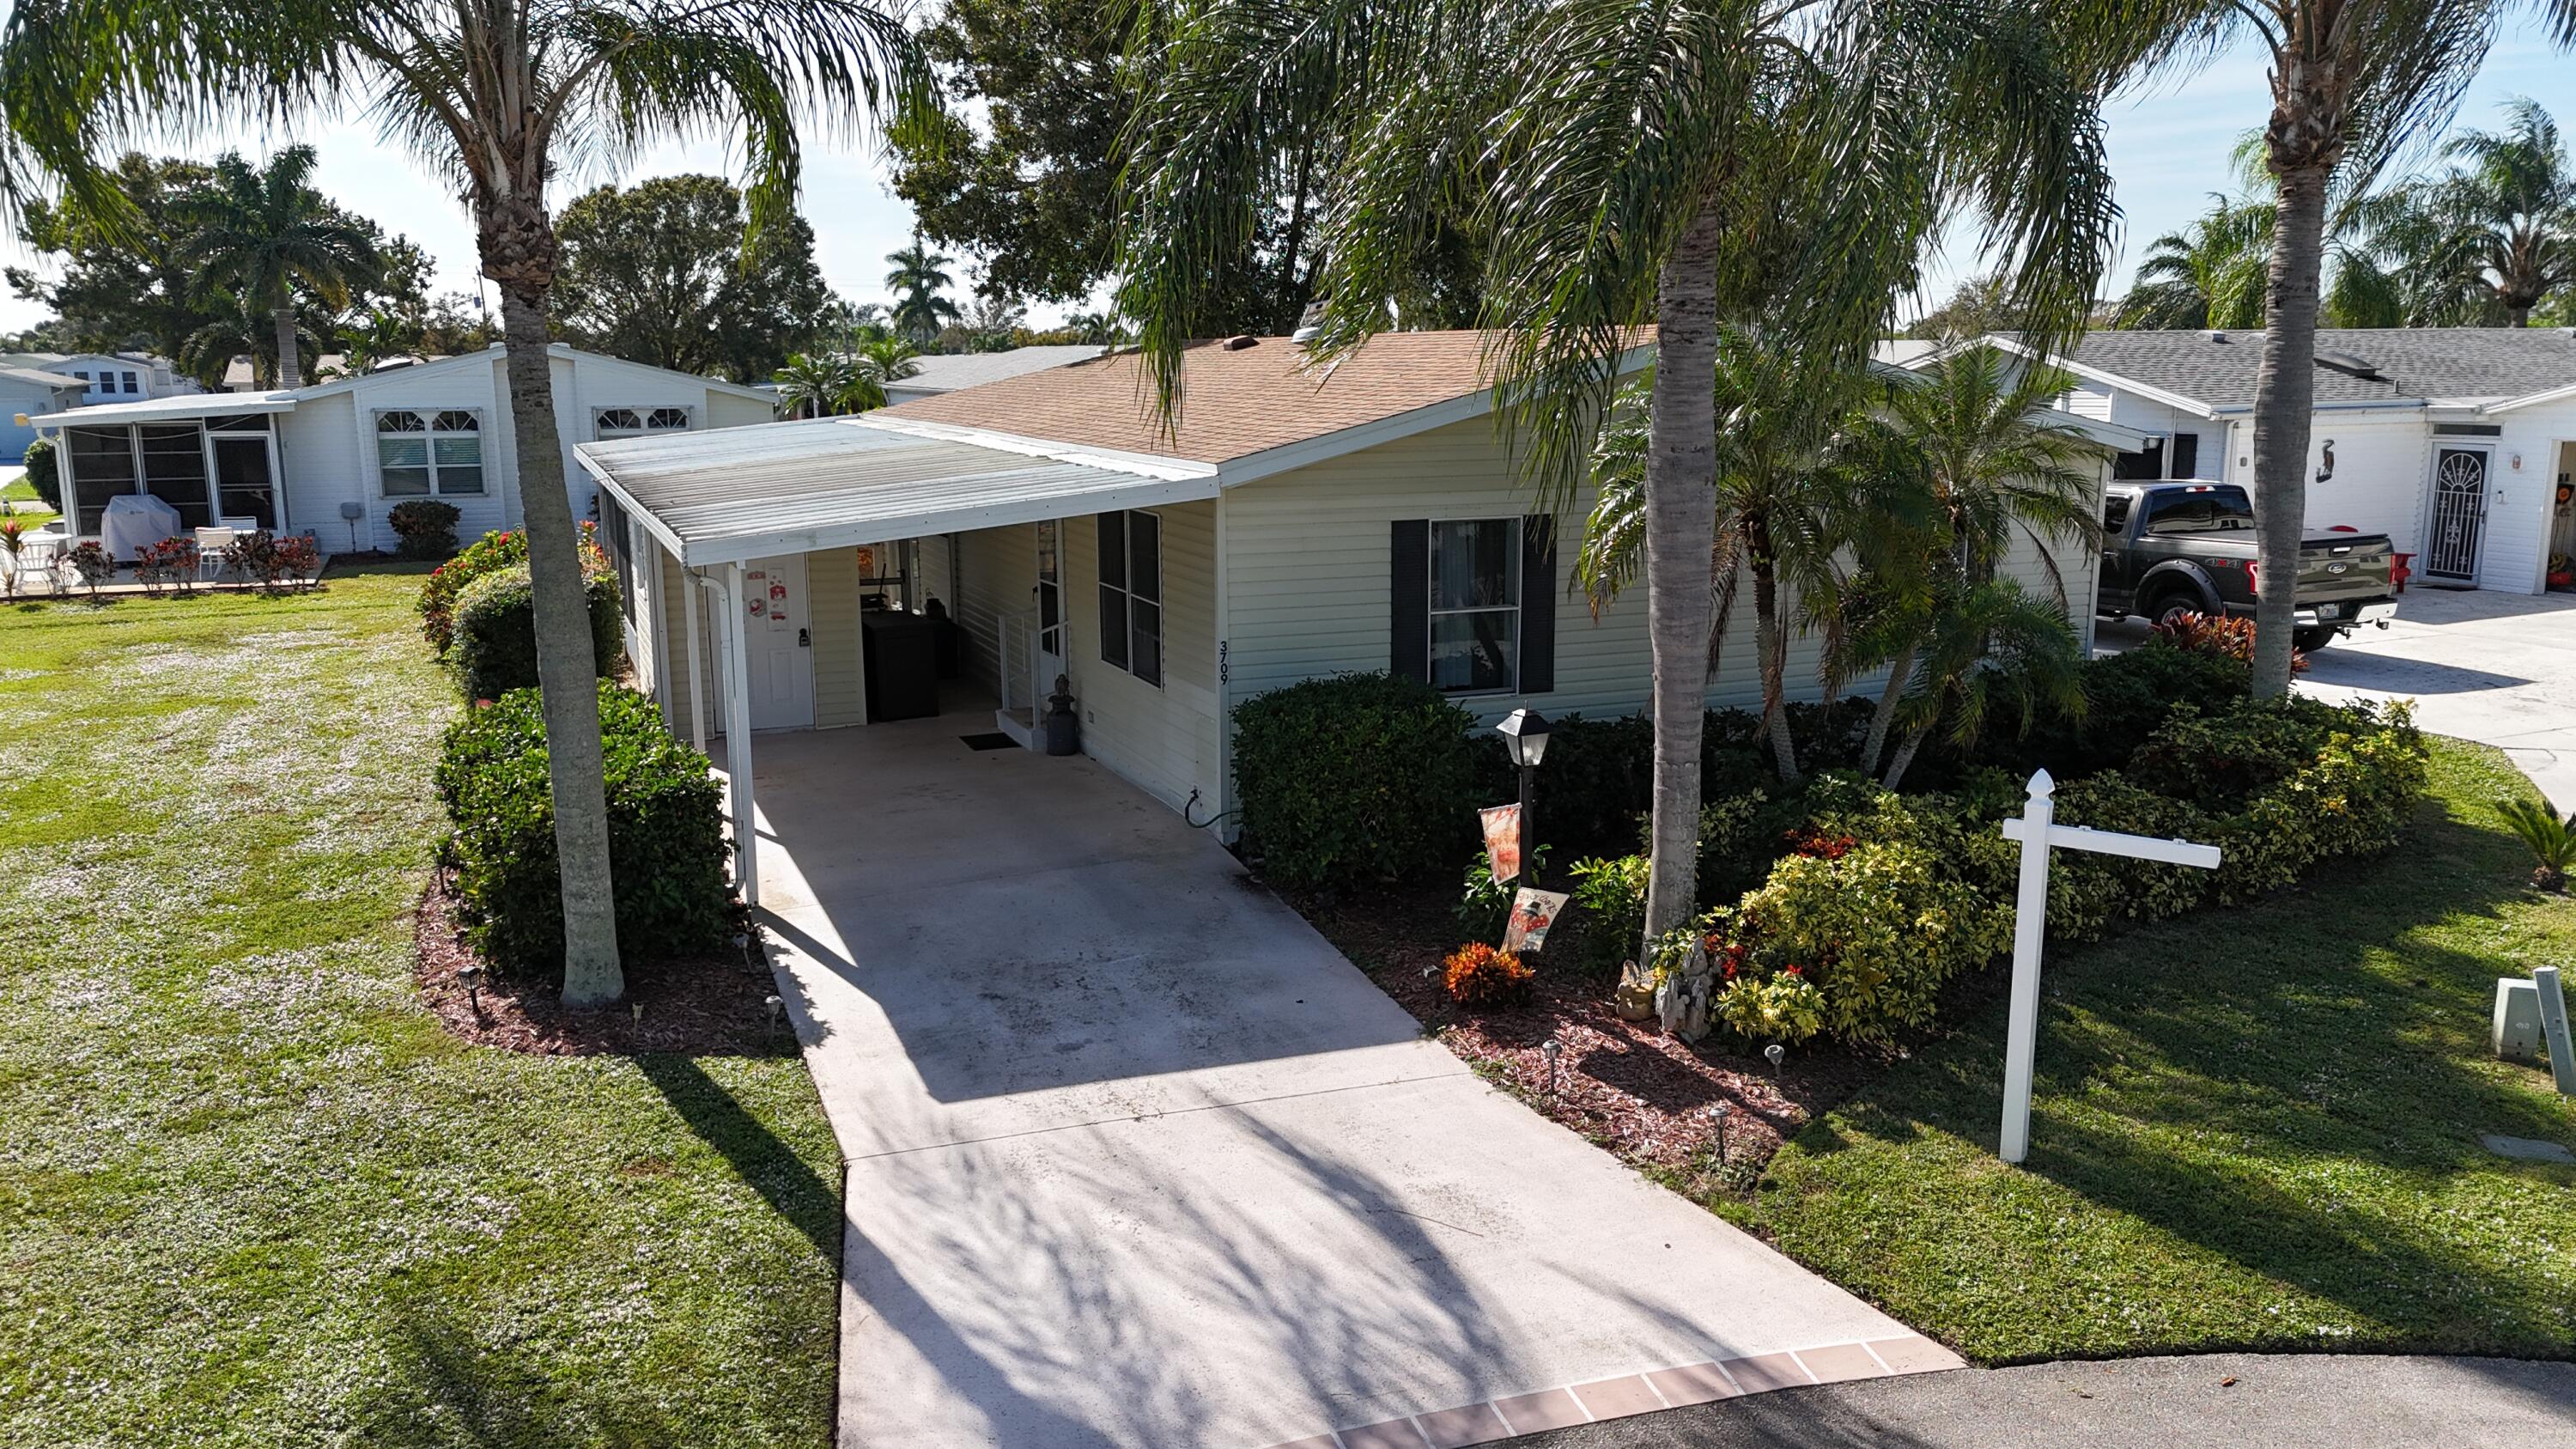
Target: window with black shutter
x: 1472, y: 605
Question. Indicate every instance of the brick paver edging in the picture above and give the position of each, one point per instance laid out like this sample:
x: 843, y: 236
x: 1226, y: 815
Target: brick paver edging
x: 1667, y: 1388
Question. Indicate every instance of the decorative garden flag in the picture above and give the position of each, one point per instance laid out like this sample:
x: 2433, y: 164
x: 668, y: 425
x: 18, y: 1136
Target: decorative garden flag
x: 1533, y: 911
x: 1503, y: 841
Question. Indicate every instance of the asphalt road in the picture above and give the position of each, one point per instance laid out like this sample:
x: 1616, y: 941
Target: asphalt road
x: 2328, y: 1401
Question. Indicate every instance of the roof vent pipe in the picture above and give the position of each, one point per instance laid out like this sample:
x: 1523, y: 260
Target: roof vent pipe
x: 1240, y: 341
x: 2216, y: 335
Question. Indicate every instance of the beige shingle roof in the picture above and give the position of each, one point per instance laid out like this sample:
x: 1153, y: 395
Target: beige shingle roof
x: 1235, y: 401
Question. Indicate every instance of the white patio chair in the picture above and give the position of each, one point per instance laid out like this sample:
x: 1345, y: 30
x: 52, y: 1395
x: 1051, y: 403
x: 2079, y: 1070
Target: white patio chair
x: 211, y: 543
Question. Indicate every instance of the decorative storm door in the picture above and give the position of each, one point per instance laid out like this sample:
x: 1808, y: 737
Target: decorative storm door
x: 2459, y: 514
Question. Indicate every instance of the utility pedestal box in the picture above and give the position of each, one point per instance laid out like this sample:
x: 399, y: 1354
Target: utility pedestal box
x: 2517, y: 1019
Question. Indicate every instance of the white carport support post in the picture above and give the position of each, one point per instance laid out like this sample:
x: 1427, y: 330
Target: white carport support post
x: 746, y: 837
x: 2037, y: 831
x: 691, y: 602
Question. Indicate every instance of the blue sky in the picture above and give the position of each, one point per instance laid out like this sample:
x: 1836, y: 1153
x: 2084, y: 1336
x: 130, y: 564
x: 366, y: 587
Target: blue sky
x: 2168, y: 150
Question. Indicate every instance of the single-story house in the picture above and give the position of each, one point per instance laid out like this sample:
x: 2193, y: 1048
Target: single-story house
x: 333, y: 459
x: 27, y: 393
x: 952, y: 372
x: 107, y: 377
x: 2457, y: 442
x: 1294, y: 522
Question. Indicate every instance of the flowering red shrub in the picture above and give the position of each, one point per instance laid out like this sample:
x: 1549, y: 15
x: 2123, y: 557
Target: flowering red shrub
x: 1478, y: 975
x: 1816, y: 844
x: 273, y: 559
x: 91, y: 561
x: 493, y: 552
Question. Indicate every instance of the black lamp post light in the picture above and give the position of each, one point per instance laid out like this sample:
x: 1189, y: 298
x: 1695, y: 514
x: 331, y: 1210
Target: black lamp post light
x: 1524, y: 733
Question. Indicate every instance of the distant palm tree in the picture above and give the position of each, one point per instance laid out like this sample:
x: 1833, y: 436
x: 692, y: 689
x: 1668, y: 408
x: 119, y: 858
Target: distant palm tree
x: 2490, y: 240
x: 918, y: 281
x: 262, y: 233
x: 492, y: 94
x: 879, y: 361
x: 819, y: 386
x: 2209, y: 274
x: 242, y: 327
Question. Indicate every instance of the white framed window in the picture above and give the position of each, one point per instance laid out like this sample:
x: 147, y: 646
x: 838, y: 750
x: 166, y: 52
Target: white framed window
x: 1131, y: 594
x: 424, y: 454
x: 129, y: 383
x: 635, y: 422
x: 1475, y: 575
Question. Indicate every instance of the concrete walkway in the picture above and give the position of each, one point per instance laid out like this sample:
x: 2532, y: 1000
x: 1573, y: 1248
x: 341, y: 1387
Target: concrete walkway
x: 2496, y: 668
x: 2222, y: 1401
x: 1137, y: 1159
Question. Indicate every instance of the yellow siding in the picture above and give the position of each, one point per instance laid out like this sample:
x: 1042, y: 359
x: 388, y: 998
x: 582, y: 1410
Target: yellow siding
x: 832, y: 593
x: 676, y: 596
x: 1163, y: 739
x: 998, y: 570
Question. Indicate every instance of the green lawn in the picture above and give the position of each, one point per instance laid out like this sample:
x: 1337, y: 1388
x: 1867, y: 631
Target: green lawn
x: 250, y: 1193
x: 21, y: 491
x: 2252, y: 1128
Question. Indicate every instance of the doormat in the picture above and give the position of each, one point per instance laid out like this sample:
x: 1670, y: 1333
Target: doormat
x: 994, y: 741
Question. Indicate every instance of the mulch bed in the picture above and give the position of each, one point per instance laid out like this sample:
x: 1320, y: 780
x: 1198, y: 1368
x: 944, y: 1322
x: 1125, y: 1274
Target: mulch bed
x: 1624, y: 1084
x: 715, y: 1005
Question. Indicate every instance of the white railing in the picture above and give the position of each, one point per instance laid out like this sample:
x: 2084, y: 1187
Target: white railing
x: 1015, y: 640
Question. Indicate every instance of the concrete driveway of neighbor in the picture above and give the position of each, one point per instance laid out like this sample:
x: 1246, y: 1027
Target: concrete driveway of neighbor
x: 1136, y: 1158
x: 2496, y: 668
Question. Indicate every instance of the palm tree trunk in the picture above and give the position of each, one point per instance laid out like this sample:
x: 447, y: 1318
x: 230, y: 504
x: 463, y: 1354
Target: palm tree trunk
x: 1898, y: 675
x: 281, y: 311
x: 1771, y: 642
x: 2284, y: 410
x: 1904, y: 760
x: 567, y: 668
x: 1681, y: 519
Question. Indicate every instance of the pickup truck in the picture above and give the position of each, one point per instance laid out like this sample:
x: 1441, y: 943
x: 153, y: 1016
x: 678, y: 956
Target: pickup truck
x: 2176, y: 548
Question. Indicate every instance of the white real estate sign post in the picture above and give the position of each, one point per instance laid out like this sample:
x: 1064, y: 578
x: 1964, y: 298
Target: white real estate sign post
x: 2037, y: 832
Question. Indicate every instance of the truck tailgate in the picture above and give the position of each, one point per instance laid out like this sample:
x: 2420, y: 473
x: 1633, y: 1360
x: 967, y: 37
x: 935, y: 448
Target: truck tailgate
x: 2336, y: 567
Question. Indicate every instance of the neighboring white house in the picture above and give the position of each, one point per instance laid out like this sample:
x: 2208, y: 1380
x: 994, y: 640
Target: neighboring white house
x: 2459, y: 443
x: 950, y: 372
x: 107, y: 377
x: 334, y: 459
x: 25, y: 393
x: 1299, y: 522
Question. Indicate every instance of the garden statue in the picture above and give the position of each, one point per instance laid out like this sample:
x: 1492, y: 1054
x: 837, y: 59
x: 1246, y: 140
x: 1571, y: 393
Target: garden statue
x: 1681, y: 1002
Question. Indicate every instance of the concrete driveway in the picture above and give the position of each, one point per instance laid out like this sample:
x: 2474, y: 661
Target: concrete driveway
x: 2496, y: 668
x: 1137, y: 1159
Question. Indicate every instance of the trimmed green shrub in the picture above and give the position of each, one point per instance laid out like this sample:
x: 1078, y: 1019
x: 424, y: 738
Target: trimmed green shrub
x: 2220, y: 761
x: 2089, y: 892
x: 1877, y: 927
x: 426, y: 527
x: 1355, y: 777
x: 496, y: 632
x: 2352, y: 799
x: 666, y: 846
x: 45, y: 473
x: 2127, y: 698
x: 493, y: 552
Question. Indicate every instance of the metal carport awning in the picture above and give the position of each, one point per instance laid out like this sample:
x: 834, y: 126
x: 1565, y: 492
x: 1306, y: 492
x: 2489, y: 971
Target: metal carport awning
x: 735, y: 494
x: 719, y: 499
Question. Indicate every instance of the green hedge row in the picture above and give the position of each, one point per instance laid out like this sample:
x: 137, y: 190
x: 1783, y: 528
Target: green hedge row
x: 495, y: 649
x: 666, y: 846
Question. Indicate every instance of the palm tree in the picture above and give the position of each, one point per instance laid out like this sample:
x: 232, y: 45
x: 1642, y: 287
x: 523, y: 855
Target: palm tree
x: 1974, y: 437
x: 918, y: 281
x: 239, y: 326
x: 1630, y: 162
x: 1785, y: 503
x: 2354, y: 83
x: 489, y: 93
x: 1994, y: 648
x: 2489, y: 240
x: 260, y: 233
x: 2209, y: 274
x: 879, y: 361
x: 819, y: 386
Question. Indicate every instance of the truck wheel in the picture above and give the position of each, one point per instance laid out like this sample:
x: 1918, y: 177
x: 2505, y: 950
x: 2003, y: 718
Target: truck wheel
x: 2169, y: 607
x: 2309, y: 641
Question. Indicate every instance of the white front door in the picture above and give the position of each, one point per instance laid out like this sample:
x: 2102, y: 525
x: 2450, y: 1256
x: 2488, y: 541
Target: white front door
x: 779, y: 639
x: 1052, y: 652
